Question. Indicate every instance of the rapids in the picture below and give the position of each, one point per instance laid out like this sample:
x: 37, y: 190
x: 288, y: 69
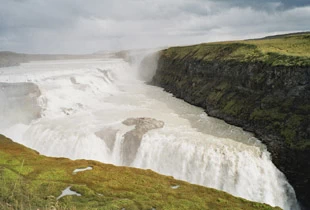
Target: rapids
x: 77, y: 109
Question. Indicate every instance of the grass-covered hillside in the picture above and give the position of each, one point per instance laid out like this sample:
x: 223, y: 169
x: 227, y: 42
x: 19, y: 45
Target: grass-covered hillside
x: 32, y: 181
x: 287, y: 50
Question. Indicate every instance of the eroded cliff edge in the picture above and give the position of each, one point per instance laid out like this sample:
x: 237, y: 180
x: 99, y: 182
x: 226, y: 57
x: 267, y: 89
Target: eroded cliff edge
x: 262, y: 86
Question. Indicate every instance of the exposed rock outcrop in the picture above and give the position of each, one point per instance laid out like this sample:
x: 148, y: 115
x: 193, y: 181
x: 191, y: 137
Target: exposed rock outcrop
x: 133, y: 138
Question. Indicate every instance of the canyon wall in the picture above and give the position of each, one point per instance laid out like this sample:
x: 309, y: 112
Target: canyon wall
x: 272, y: 101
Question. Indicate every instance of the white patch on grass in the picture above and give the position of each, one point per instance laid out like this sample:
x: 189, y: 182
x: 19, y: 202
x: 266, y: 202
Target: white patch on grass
x: 82, y: 169
x: 67, y: 192
x: 175, y: 187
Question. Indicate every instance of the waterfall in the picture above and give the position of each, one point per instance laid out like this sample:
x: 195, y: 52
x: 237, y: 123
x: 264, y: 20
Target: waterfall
x: 99, y: 110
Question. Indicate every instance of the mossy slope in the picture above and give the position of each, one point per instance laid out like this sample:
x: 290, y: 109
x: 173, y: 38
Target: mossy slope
x: 289, y: 50
x: 30, y: 181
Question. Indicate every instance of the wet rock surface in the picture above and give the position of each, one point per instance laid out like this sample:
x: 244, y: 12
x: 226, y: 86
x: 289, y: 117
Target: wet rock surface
x: 270, y: 101
x: 108, y: 135
x: 133, y: 138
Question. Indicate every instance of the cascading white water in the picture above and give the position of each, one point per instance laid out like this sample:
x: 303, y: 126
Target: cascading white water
x: 84, y: 102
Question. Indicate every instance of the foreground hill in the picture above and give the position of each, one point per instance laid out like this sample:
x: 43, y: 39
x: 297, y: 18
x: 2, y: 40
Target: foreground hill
x: 261, y: 85
x: 33, y: 181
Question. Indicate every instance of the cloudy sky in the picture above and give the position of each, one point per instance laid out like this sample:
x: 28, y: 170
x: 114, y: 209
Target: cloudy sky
x: 85, y: 26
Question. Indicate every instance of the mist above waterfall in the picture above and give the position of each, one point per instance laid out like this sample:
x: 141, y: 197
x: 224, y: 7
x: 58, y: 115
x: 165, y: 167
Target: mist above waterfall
x: 18, y: 103
x: 103, y: 110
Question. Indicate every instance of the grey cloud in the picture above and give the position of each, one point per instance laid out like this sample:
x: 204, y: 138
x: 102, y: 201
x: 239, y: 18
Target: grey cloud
x: 20, y: 14
x: 264, y: 4
x: 64, y: 26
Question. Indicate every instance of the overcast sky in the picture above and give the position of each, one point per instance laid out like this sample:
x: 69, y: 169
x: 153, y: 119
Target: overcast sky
x: 86, y: 26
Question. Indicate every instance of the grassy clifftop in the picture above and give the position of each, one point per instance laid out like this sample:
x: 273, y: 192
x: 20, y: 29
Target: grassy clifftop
x: 32, y: 181
x: 286, y: 50
x: 263, y: 81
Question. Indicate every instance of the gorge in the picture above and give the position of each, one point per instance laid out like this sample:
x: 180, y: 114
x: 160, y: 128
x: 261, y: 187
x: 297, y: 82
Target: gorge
x: 262, y: 86
x: 84, y: 109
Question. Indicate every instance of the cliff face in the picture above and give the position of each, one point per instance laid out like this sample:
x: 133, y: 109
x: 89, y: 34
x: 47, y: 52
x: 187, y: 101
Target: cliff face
x: 271, y: 100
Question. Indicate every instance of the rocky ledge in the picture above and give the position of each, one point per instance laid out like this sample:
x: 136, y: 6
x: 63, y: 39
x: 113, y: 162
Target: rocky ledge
x: 251, y: 85
x: 133, y: 138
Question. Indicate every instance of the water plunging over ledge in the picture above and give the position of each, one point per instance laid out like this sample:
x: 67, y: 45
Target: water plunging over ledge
x: 98, y: 109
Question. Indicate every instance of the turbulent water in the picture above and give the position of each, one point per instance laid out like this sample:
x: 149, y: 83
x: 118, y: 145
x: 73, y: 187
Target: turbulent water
x: 81, y: 109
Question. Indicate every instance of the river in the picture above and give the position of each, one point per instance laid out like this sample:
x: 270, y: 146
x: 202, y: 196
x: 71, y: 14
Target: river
x: 77, y: 108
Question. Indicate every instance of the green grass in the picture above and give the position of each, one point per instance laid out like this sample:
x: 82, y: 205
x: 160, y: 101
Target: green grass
x: 32, y: 181
x: 289, y: 50
x: 291, y: 45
